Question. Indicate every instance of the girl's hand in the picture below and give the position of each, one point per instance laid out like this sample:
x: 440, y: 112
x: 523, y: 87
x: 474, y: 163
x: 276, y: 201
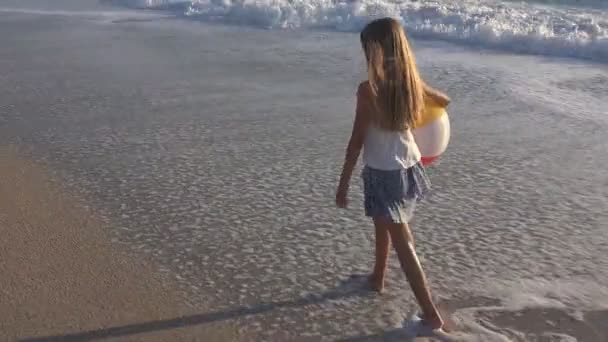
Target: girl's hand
x: 355, y: 144
x: 440, y: 98
x: 341, y: 198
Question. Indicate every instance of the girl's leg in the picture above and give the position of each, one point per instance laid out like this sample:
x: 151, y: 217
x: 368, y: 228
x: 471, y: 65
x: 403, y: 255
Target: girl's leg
x: 383, y: 242
x: 404, y: 246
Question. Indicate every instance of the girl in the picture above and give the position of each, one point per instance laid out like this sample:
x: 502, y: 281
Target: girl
x: 388, y: 105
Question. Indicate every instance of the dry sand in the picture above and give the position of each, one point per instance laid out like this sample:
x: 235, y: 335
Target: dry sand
x: 62, y: 278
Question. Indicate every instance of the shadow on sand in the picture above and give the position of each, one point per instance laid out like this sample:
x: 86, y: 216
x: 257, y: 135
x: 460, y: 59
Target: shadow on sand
x: 351, y: 287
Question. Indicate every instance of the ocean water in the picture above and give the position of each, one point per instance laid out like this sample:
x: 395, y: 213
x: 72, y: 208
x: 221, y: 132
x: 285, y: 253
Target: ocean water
x: 214, y: 150
x: 557, y: 28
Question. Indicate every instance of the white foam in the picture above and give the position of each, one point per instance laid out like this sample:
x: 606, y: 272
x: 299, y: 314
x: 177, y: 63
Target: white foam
x: 568, y: 296
x: 584, y: 294
x: 588, y: 3
x: 153, y: 3
x: 513, y: 26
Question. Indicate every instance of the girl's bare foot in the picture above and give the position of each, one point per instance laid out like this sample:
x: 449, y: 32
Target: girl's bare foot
x: 376, y: 282
x: 416, y: 326
x: 435, y: 322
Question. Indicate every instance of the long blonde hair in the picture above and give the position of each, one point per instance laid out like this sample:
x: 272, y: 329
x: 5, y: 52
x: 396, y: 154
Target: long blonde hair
x: 397, y: 89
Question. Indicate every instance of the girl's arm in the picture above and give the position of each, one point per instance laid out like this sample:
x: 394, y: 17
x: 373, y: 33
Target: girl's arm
x: 440, y: 98
x: 355, y: 143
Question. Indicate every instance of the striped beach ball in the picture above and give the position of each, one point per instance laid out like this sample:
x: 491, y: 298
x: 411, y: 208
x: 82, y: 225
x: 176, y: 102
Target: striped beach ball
x: 432, y: 132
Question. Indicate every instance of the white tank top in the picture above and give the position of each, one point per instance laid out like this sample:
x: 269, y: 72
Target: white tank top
x: 389, y: 150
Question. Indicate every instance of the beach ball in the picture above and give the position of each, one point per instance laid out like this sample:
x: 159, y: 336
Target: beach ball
x: 432, y: 132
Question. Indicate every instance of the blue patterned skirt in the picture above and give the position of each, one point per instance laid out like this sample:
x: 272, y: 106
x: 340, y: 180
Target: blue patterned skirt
x: 393, y: 194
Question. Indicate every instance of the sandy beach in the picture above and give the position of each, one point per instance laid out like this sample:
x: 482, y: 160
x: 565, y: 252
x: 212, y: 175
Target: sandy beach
x: 165, y: 178
x: 63, y: 280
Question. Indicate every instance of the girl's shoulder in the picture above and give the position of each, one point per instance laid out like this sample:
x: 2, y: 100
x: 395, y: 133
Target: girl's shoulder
x: 364, y: 88
x: 364, y: 92
x: 365, y: 101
